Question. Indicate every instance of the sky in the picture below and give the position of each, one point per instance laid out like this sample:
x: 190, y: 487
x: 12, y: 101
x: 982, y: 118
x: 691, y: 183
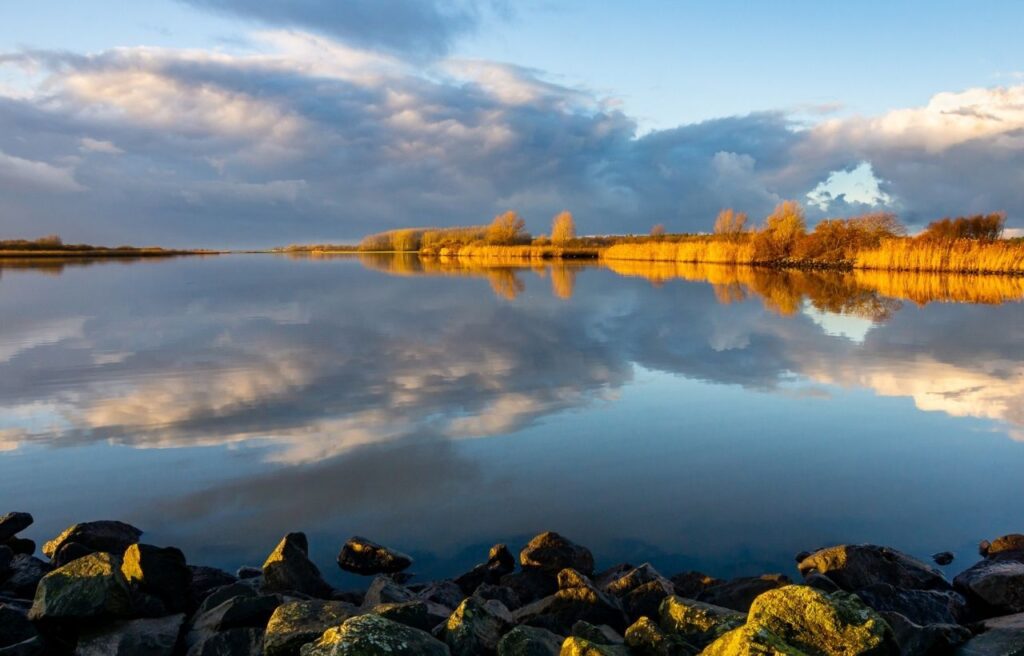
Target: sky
x: 255, y: 123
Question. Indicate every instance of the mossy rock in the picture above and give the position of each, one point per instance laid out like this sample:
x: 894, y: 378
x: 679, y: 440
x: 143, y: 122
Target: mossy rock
x: 645, y: 638
x: 695, y: 621
x: 529, y: 641
x: 89, y: 587
x: 574, y: 646
x: 373, y: 635
x: 296, y: 623
x: 754, y: 641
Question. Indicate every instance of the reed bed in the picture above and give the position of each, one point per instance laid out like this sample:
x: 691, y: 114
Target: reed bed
x: 961, y: 255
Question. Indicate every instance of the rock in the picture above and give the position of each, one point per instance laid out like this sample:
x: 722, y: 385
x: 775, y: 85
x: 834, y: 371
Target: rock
x: 108, y: 536
x: 145, y: 637
x: 919, y: 606
x: 602, y: 635
x: 739, y: 593
x: 31, y: 647
x: 288, y: 568
x: 645, y: 599
x: 249, y: 573
x: 161, y: 572
x: 943, y: 558
x: 580, y: 647
x: 6, y: 556
x: 296, y: 623
x: 416, y: 614
x: 797, y: 619
x: 500, y: 562
x: 383, y: 590
x: 85, y: 589
x: 13, y: 523
x: 15, y: 626
x: 21, y: 546
x: 362, y: 556
x: 476, y: 627
x: 529, y: 641
x: 373, y: 635
x: 646, y: 638
x: 204, y: 580
x: 529, y: 585
x: 1002, y: 636
x: 445, y: 593
x: 690, y: 585
x: 24, y: 574
x: 821, y: 582
x: 1006, y: 547
x: 235, y: 613
x: 234, y: 642
x: 506, y: 596
x: 998, y: 584
x: 70, y: 551
x: 916, y: 640
x: 551, y: 553
x: 857, y: 566
x: 576, y: 599
x: 694, y: 621
x: 632, y: 579
x: 220, y: 595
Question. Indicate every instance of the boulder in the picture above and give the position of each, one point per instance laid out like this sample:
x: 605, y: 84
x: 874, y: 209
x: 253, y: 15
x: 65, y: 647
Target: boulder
x: 31, y: 647
x: 998, y: 584
x: 689, y: 585
x: 13, y: 523
x: 606, y: 576
x: 21, y: 546
x: 694, y: 621
x: 576, y: 599
x: 85, y: 589
x: 445, y: 593
x: 857, y: 566
x: 574, y: 646
x: 296, y: 623
x: 919, y: 606
x: 1001, y: 636
x: 145, y: 637
x: 943, y: 558
x: 917, y: 640
x: 417, y: 614
x: 246, y: 572
x: 23, y: 576
x: 500, y: 562
x: 529, y: 641
x: 529, y: 585
x: 602, y: 635
x: 233, y: 642
x: 645, y: 638
x: 551, y: 553
x: 70, y: 551
x: 739, y: 593
x: 476, y: 627
x: 640, y: 591
x: 204, y: 580
x: 373, y: 635
x: 159, y: 571
x: 288, y: 568
x: 632, y: 579
x: 15, y: 626
x: 235, y: 613
x: 220, y: 595
x: 362, y: 556
x: 383, y: 590
x: 6, y: 556
x: 108, y: 536
x: 797, y: 619
x: 1006, y: 547
x: 506, y: 596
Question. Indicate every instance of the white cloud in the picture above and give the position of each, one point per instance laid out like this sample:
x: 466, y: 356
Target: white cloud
x: 91, y: 145
x: 18, y: 174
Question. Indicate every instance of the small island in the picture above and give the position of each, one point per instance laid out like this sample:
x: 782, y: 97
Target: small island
x: 52, y: 246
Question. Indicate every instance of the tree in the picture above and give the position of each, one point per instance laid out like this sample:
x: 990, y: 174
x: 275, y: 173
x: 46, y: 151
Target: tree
x: 731, y: 224
x: 563, y: 228
x: 658, y: 230
x: 982, y: 227
x: 783, y: 228
x: 506, y: 229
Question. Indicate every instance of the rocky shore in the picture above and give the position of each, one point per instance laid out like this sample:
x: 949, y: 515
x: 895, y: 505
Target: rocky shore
x: 97, y: 589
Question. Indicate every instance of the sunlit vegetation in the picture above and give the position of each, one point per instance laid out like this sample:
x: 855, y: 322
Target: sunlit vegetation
x: 54, y: 246
x: 563, y: 228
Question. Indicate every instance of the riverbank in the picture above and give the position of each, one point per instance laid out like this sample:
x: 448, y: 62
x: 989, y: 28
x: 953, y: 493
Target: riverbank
x: 97, y: 589
x: 97, y: 253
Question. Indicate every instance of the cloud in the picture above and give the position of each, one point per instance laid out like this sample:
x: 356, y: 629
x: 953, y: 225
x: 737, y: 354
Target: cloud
x: 416, y: 26
x: 91, y: 145
x: 17, y: 174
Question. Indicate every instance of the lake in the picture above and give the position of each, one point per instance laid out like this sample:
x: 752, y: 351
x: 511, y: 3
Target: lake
x: 705, y: 418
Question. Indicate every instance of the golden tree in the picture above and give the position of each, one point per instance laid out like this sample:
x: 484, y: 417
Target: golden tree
x: 507, y: 228
x: 731, y: 224
x: 563, y: 228
x: 783, y: 228
x: 658, y: 230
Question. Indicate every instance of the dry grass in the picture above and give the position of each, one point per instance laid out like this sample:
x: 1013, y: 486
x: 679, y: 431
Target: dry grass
x: 962, y: 256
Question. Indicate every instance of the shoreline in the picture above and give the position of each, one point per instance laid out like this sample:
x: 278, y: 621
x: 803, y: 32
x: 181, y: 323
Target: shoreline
x: 98, y: 588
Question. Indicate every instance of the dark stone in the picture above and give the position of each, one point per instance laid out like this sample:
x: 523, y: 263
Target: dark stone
x: 70, y: 551
x: 144, y: 637
x: 13, y: 523
x: 89, y: 588
x: 107, y: 536
x: 997, y: 584
x: 205, y: 580
x: 597, y: 634
x: 362, y: 556
x: 551, y: 553
x: 416, y: 614
x: 383, y: 590
x: 576, y: 599
x: 296, y: 623
x: 919, y: 606
x: 605, y: 577
x: 6, y: 556
x: 802, y: 555
x: 505, y: 595
x: 1000, y: 636
x: 372, y: 634
x: 645, y: 599
x: 161, y: 572
x: 236, y: 613
x: 21, y: 546
x: 500, y: 562
x: 630, y: 579
x: 690, y: 585
x: 530, y: 585
x: 476, y: 627
x: 857, y: 566
x: 445, y: 593
x: 15, y: 626
x: 288, y: 568
x: 24, y: 574
x: 234, y: 642
x: 943, y: 558
x: 821, y: 582
x: 530, y: 641
x: 244, y: 573
x: 917, y: 640
x: 739, y: 593
x: 31, y: 647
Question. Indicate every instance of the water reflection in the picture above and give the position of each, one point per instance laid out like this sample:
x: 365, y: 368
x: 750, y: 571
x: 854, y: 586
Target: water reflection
x: 326, y: 394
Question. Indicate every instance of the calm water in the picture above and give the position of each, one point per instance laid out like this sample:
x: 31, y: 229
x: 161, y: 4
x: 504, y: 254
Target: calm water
x: 697, y: 418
